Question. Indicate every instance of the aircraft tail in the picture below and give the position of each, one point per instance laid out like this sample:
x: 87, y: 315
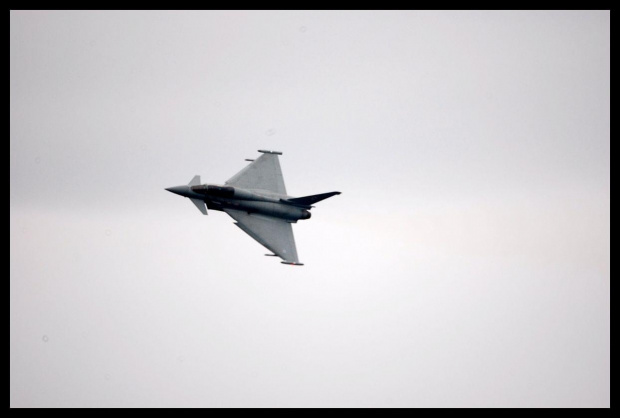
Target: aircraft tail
x: 308, y: 201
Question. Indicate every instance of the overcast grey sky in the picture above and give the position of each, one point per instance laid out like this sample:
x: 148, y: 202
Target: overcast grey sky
x: 467, y: 262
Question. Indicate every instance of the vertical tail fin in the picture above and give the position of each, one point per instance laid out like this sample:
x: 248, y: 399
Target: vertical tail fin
x: 309, y: 200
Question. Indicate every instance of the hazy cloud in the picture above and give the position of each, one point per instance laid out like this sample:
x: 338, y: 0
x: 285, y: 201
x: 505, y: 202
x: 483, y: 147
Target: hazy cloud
x: 467, y: 262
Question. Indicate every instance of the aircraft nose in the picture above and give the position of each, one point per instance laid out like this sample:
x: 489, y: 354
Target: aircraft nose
x: 180, y: 190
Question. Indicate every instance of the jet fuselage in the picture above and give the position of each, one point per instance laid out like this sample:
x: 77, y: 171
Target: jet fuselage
x: 262, y: 202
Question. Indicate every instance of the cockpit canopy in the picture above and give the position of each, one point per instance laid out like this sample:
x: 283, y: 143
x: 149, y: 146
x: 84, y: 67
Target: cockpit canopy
x: 209, y: 189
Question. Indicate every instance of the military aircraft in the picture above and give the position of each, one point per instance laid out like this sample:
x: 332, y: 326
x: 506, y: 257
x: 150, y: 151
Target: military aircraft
x: 257, y: 200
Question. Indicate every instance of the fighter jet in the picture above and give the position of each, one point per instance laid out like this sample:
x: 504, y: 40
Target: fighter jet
x: 257, y: 200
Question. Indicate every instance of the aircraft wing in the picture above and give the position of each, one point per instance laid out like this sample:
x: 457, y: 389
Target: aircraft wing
x: 264, y: 174
x: 274, y: 234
